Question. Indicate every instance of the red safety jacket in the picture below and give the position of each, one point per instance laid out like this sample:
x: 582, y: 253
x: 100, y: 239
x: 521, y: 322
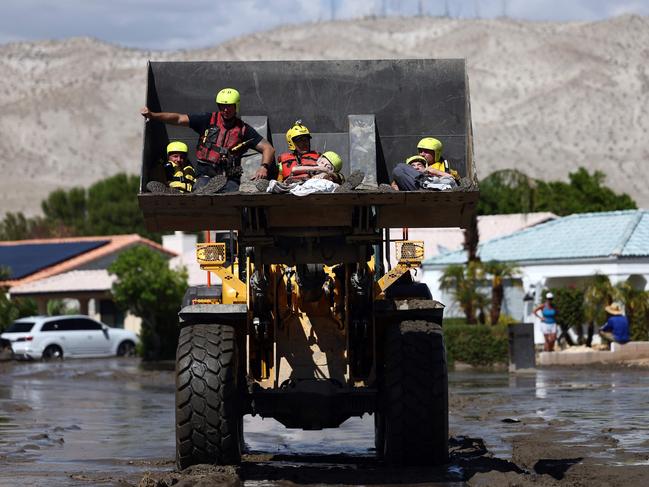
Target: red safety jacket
x: 217, y: 138
x: 288, y: 160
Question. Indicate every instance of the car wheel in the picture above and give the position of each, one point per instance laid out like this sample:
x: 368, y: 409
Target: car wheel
x: 126, y: 349
x: 53, y: 352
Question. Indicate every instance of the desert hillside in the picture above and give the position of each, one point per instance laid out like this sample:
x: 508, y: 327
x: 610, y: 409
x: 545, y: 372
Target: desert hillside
x: 546, y: 97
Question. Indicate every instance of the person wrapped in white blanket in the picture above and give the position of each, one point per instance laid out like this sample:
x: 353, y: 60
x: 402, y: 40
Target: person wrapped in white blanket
x: 324, y: 177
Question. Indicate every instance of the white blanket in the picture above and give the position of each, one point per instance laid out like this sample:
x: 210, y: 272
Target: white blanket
x: 437, y: 183
x: 302, y: 189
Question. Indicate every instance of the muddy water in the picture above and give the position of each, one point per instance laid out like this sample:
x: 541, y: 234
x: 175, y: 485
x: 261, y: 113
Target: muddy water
x: 82, y: 421
x: 589, y: 406
x: 108, y: 422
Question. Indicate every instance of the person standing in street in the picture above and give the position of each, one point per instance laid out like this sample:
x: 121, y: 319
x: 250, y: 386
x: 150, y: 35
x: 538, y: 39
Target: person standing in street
x: 548, y: 318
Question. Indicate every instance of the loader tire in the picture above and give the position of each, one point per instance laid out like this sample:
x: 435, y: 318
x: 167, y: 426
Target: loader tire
x: 208, y: 412
x: 414, y: 396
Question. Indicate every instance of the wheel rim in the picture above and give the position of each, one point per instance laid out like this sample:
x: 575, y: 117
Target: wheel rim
x: 52, y: 353
x: 126, y: 349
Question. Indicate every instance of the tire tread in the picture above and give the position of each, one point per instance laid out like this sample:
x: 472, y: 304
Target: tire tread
x: 207, y: 410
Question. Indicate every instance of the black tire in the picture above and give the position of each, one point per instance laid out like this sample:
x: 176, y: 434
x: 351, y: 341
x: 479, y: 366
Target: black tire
x: 414, y: 396
x: 53, y: 352
x: 208, y: 411
x: 126, y: 349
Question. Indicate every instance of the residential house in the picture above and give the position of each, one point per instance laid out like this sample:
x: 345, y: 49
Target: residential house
x: 73, y: 269
x: 562, y: 252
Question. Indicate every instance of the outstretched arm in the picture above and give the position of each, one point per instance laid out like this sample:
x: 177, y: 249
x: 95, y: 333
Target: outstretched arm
x: 166, y: 117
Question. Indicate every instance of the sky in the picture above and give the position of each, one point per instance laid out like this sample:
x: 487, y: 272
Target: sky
x: 188, y: 24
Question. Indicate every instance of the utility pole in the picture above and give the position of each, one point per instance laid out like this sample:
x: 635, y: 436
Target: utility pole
x: 447, y: 10
x: 420, y: 12
x: 333, y: 10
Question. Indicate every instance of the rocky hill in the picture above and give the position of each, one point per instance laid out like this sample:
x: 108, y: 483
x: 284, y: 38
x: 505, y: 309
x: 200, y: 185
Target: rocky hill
x: 546, y: 97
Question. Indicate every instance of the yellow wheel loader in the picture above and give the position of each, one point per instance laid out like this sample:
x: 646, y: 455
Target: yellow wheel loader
x: 314, y: 316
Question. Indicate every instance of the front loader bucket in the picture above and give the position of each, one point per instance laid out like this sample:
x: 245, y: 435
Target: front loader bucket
x: 373, y: 113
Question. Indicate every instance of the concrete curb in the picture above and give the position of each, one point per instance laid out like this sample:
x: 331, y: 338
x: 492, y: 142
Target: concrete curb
x: 618, y: 353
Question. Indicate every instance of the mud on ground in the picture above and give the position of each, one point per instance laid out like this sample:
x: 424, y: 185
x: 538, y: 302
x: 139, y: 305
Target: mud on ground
x: 554, y: 427
x: 540, y: 452
x: 537, y: 462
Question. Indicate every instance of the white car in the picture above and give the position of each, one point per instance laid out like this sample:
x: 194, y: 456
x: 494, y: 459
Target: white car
x: 50, y: 337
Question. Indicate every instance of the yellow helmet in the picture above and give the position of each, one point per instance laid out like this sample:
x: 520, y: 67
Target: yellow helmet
x: 295, y: 131
x: 433, y: 144
x: 421, y: 159
x: 228, y: 96
x: 335, y: 159
x: 176, y: 146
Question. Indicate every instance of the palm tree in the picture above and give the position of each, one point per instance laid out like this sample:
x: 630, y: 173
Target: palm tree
x: 636, y: 305
x: 598, y: 294
x: 463, y: 282
x: 499, y: 271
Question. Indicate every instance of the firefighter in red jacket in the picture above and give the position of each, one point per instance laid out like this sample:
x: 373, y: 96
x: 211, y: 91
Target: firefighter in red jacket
x: 298, y: 139
x: 223, y: 138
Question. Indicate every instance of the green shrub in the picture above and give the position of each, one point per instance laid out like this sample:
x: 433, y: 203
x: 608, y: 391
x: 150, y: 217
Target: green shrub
x: 476, y: 344
x: 638, y: 323
x: 569, y: 302
x: 148, y: 288
x: 454, y: 322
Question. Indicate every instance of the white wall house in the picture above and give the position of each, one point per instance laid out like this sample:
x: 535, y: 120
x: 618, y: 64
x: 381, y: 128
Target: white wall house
x: 563, y: 252
x: 442, y: 240
x: 71, y: 269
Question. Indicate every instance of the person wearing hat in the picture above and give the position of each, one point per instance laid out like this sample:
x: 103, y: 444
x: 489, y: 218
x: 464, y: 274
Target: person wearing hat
x: 426, y: 170
x: 298, y: 140
x: 179, y: 171
x: 325, y: 176
x: 431, y: 149
x: 223, y: 138
x: 548, y: 319
x: 616, y: 328
x: 406, y: 174
x: 327, y: 166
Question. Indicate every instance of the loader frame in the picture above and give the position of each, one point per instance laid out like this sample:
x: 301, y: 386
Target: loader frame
x: 309, y: 324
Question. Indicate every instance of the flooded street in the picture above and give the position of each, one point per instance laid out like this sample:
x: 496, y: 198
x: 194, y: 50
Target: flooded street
x: 109, y: 422
x: 84, y: 420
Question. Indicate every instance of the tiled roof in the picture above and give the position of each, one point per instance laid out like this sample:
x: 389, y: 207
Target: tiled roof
x: 116, y: 243
x: 68, y: 282
x: 638, y: 242
x: 579, y: 236
x: 440, y: 240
